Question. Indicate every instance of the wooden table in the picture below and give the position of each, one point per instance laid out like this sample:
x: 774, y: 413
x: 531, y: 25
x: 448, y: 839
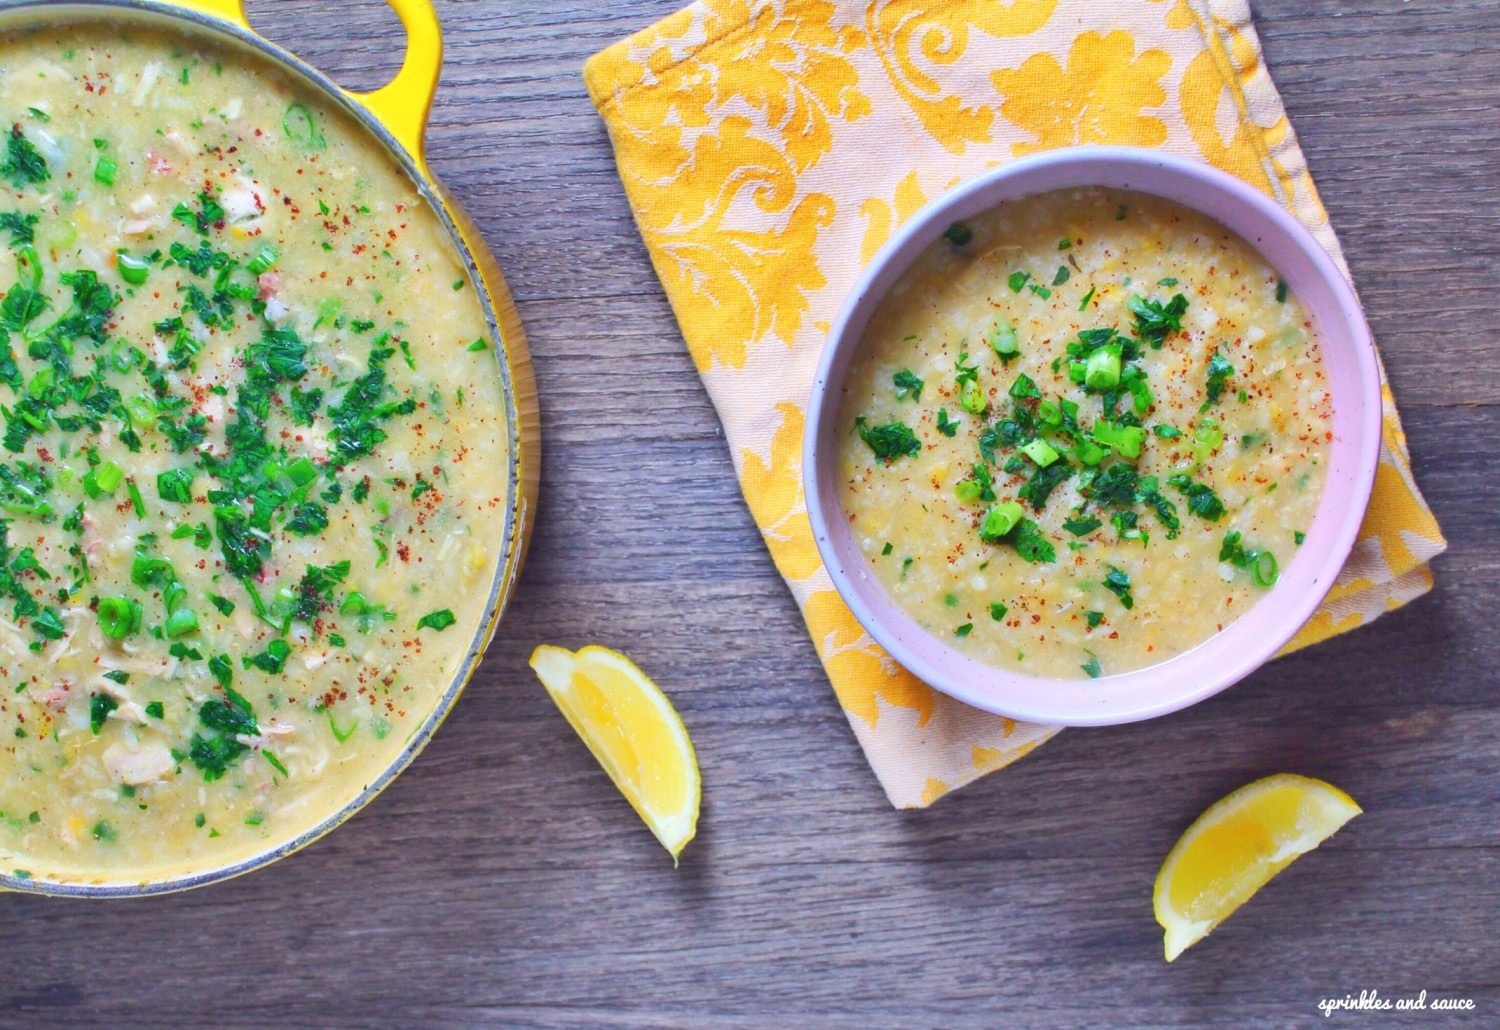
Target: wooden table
x: 501, y: 881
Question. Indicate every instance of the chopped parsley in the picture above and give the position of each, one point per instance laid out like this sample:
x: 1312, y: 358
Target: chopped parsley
x: 1201, y: 499
x: 1219, y: 371
x: 175, y: 485
x: 271, y: 660
x: 1153, y: 320
x: 23, y: 165
x: 225, y: 722
x: 100, y: 705
x: 20, y: 227
x: 438, y: 620
x: 1081, y: 526
x: 1031, y: 543
x: 958, y: 234
x: 907, y: 385
x: 966, y: 377
x: 888, y: 442
x: 1118, y: 583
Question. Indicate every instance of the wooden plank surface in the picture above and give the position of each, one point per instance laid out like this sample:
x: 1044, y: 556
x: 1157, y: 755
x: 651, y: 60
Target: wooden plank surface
x: 500, y: 881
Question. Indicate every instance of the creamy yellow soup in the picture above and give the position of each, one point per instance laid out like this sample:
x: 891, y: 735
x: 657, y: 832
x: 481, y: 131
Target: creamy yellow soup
x: 1083, y: 434
x: 252, y: 482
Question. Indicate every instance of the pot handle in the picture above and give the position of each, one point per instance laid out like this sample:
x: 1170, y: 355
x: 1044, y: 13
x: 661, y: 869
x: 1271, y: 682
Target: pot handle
x: 401, y: 105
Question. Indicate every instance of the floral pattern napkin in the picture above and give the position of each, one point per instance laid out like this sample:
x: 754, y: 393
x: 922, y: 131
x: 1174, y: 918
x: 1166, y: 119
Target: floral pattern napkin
x: 770, y: 147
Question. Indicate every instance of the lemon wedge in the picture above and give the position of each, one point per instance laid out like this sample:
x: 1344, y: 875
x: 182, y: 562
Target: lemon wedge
x: 1237, y: 846
x: 634, y: 732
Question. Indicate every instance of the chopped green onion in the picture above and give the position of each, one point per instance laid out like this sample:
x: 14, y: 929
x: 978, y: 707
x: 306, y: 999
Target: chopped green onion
x: 1000, y: 520
x: 102, y: 480
x: 972, y: 398
x: 1102, y: 369
x: 1004, y: 341
x: 142, y: 410
x: 964, y: 630
x: 119, y: 617
x: 1265, y: 570
x: 182, y: 622
x: 1084, y: 305
x: 29, y: 266
x: 264, y: 258
x: 997, y: 610
x: 298, y: 124
x: 133, y: 270
x: 958, y: 234
x: 104, y: 171
x: 1127, y: 440
x: 341, y: 735
x: 1040, y: 451
x: 1207, y: 439
x: 42, y: 383
x: 1088, y: 452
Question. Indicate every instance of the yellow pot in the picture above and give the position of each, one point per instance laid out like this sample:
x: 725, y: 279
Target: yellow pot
x: 395, y: 116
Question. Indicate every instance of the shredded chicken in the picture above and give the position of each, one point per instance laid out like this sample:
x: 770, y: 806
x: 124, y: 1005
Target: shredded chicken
x: 138, y: 764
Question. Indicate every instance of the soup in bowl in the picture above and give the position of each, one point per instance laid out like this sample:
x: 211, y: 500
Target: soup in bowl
x: 1082, y: 451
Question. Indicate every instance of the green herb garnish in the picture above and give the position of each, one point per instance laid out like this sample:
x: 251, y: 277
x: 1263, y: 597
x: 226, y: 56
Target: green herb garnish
x: 438, y: 620
x: 1118, y: 583
x: 907, y: 384
x: 888, y: 442
x: 958, y: 234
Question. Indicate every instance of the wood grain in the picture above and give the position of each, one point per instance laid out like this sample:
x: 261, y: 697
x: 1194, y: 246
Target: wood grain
x: 500, y: 882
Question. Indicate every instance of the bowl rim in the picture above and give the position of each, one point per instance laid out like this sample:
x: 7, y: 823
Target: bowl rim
x: 984, y: 686
x: 511, y: 543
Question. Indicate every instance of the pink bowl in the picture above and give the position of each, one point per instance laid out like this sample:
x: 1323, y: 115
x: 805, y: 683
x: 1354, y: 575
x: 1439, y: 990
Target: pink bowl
x: 1229, y: 656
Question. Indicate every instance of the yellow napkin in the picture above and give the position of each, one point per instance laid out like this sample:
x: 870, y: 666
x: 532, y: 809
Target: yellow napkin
x: 770, y: 147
